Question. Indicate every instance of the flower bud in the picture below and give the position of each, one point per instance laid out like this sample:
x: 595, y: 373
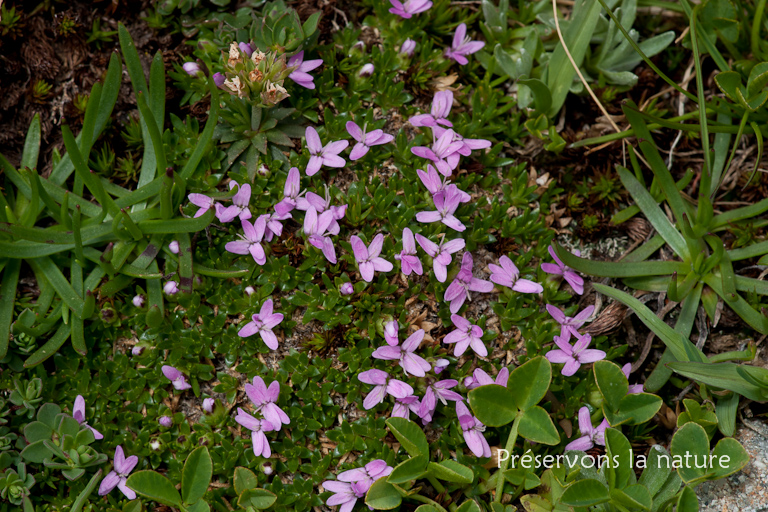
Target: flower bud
x: 219, y: 79
x: 138, y: 300
x: 165, y: 421
x: 192, y: 68
x: 208, y: 404
x: 346, y: 289
x: 441, y: 364
x: 263, y: 170
x: 171, y: 288
x: 246, y: 49
x: 137, y: 350
x: 407, y: 48
x: 267, y: 468
x: 366, y: 70
x: 174, y: 247
x: 249, y: 290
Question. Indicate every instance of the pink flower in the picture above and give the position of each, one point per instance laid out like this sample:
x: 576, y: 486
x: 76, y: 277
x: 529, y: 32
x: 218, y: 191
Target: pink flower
x: 366, y: 70
x: 117, y: 477
x: 458, y: 290
x: 320, y: 155
x: 138, y: 300
x: 262, y: 323
x: 300, y: 75
x: 390, y: 333
x: 165, y: 421
x: 192, y: 68
x: 508, y: 275
x: 208, y: 405
x: 407, y: 48
x: 78, y: 412
x: 365, y: 140
x: 171, y: 287
x: 345, y: 494
x: 590, y: 435
x: 480, y: 378
x: 446, y: 202
x: 462, y: 46
x: 368, y: 259
x: 409, y: 7
x: 265, y: 401
x: 291, y: 192
x: 320, y: 204
x: 201, y: 200
x: 176, y: 377
x: 441, y: 254
x: 251, y: 240
x: 435, y: 183
x: 574, y: 356
x: 409, y: 361
x: 257, y: 428
x: 466, y: 335
x: 274, y: 226
x: 239, y: 207
x: 384, y: 385
x: 174, y: 247
x: 441, y: 107
x: 559, y: 268
x: 405, y: 406
x: 633, y: 388
x: 440, y: 390
x: 346, y: 289
x: 473, y: 431
x: 467, y: 145
x: 409, y: 261
x: 369, y: 474
x: 444, y: 153
x: 316, y: 229
x: 569, y: 325
x: 440, y: 365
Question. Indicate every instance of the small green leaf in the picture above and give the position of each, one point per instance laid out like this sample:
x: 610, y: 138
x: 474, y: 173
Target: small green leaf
x: 537, y: 426
x: 728, y: 457
x: 154, y: 486
x: 451, y: 471
x: 493, y: 405
x: 690, y: 441
x: 634, y: 409
x: 408, y: 470
x: 585, y: 493
x: 196, y: 475
x: 410, y: 435
x: 612, y: 383
x: 469, y: 506
x: 259, y: 499
x: 244, y: 479
x: 530, y: 382
x: 382, y: 495
x: 634, y: 497
x: 619, y: 472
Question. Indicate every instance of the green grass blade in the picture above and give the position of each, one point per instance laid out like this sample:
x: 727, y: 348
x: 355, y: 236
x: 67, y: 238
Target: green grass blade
x: 109, y: 93
x: 164, y: 227
x: 186, y: 271
x: 7, y: 301
x: 157, y: 89
x: 32, y: 144
x: 156, y: 140
x: 87, y: 137
x: 59, y: 282
x: 51, y: 346
x: 205, y: 137
x: 618, y: 269
x: 756, y: 320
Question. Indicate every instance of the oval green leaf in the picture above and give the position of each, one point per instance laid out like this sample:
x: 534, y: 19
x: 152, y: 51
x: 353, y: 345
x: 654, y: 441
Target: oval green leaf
x: 197, y: 473
x: 612, y: 383
x: 585, y: 493
x: 382, y: 495
x: 530, y: 382
x: 154, y: 486
x: 536, y: 425
x: 410, y: 435
x: 451, y: 471
x: 493, y: 405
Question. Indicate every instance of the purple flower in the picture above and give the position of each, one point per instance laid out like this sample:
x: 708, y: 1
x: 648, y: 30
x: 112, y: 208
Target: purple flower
x: 138, y: 300
x: 176, y: 377
x: 633, y: 388
x: 320, y: 155
x: 444, y: 153
x: 407, y: 48
x: 204, y: 202
x: 440, y: 365
x: 409, y: 261
x: 369, y: 474
x: 384, y: 385
x: 257, y: 428
x: 165, y: 421
x: 508, y: 275
x: 441, y: 254
x: 405, y: 406
x: 316, y: 227
x: 274, y: 226
x: 208, y: 405
x: 137, y: 350
x: 219, y: 79
x: 174, y: 247
x: 462, y: 45
x: 467, y: 145
x: 346, y: 289
x: 246, y: 49
x: 264, y: 399
x: 458, y: 290
x: 590, y: 435
x: 368, y: 259
x: 435, y: 183
x: 300, y: 75
x: 119, y: 474
x: 410, y: 362
x: 320, y: 204
x: 249, y: 290
x: 574, y: 356
x: 559, y: 268
x: 251, y: 240
x: 409, y: 7
x: 365, y: 140
x: 239, y: 207
x: 473, y: 431
x: 441, y: 107
x: 480, y: 378
x: 569, y: 325
x: 366, y: 70
x: 291, y: 192
x: 192, y: 68
x: 440, y: 390
x: 446, y: 202
x: 78, y: 412
x: 345, y: 494
x: 464, y: 336
x: 390, y: 333
x: 262, y: 324
x: 171, y: 287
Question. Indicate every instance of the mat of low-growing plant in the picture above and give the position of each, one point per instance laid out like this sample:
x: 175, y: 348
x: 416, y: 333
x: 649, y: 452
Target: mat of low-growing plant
x: 351, y: 286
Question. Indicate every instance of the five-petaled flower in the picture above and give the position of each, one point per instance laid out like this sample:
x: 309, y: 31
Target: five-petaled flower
x: 440, y: 390
x: 291, y: 192
x: 441, y: 254
x: 410, y: 362
x: 300, y: 75
x: 409, y: 7
x: 446, y: 202
x: 441, y: 107
x: 409, y: 260
x: 265, y: 398
x: 466, y: 335
x: 365, y: 140
x: 320, y: 155
x: 444, y: 153
x: 78, y: 412
x: 559, y: 268
x: 368, y: 259
x: 458, y: 291
x: 570, y: 325
x: 262, y: 323
x: 250, y: 240
x: 119, y: 474
x: 590, y: 435
x: 239, y: 207
x: 574, y: 355
x: 257, y: 428
x: 462, y: 45
x: 508, y: 275
x: 384, y: 385
x: 176, y: 377
x: 473, y: 430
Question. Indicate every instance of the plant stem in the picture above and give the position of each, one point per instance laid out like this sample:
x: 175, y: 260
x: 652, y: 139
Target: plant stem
x: 756, y: 22
x: 428, y: 501
x: 504, y: 463
x: 437, y: 485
